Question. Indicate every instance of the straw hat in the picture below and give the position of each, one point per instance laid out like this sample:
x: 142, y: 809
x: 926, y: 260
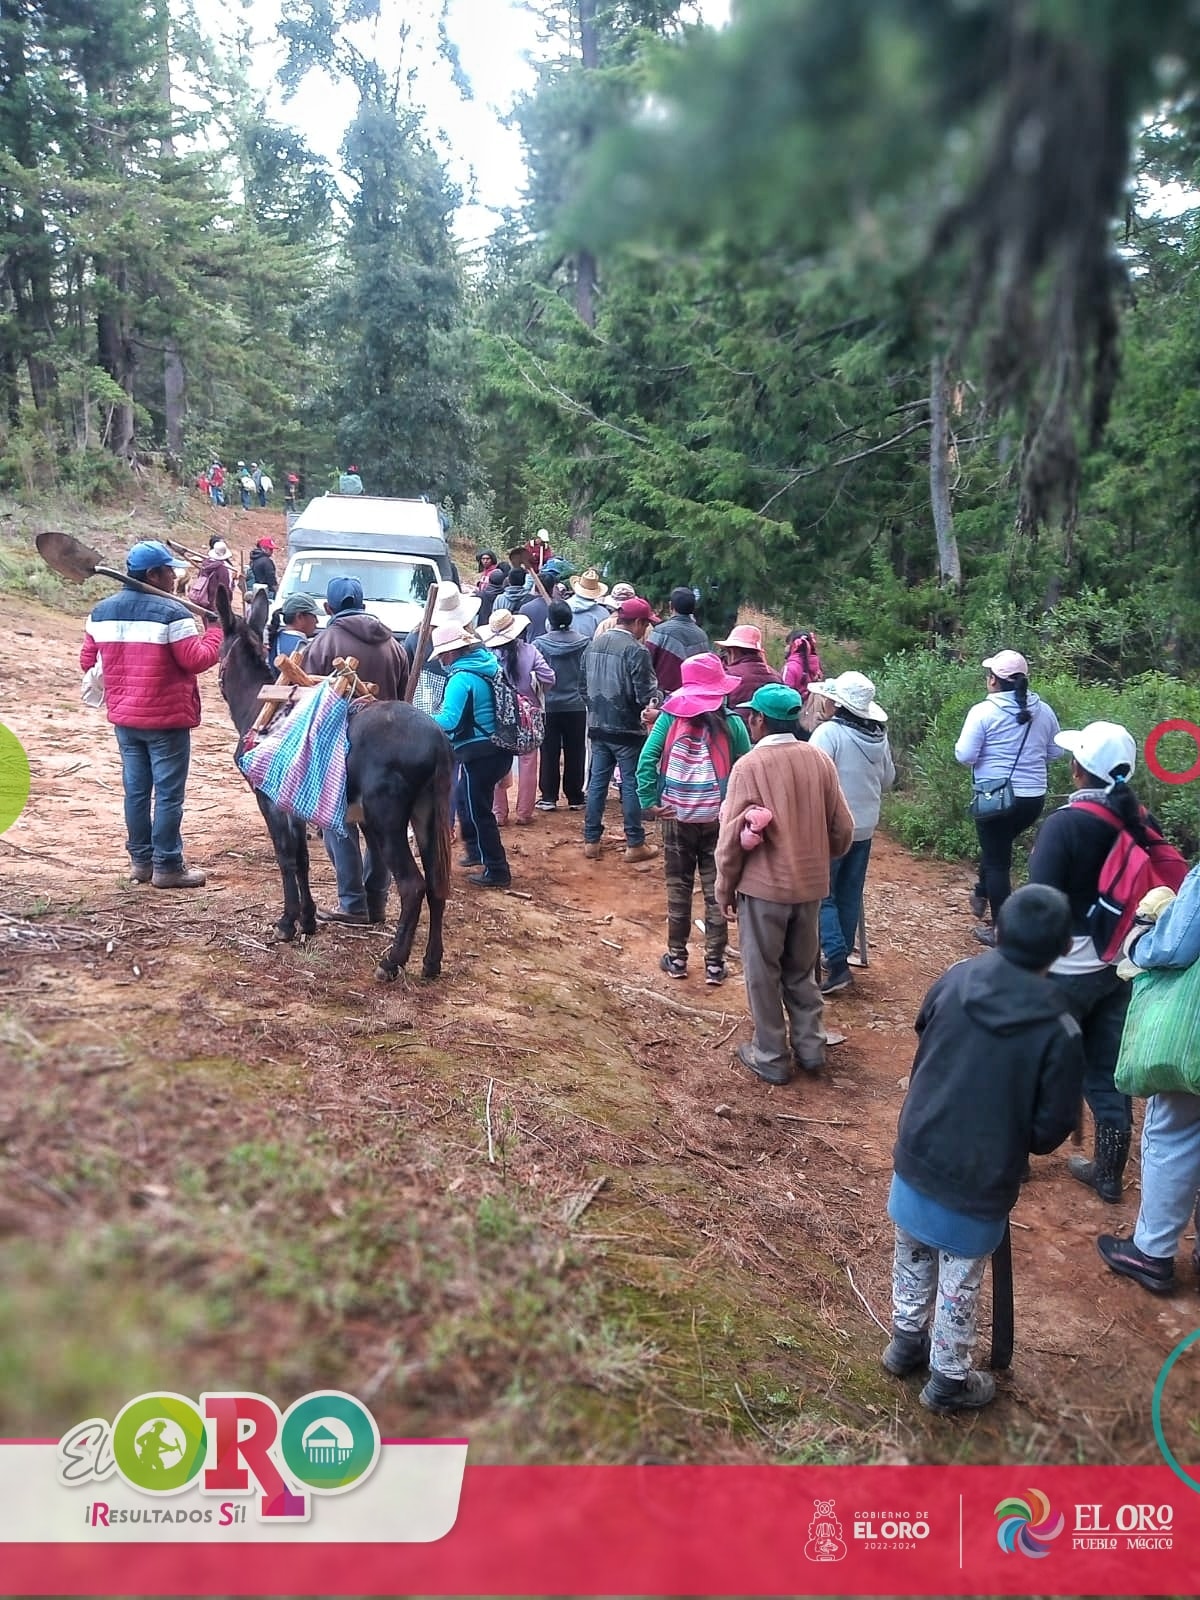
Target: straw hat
x: 452, y: 636
x: 589, y: 587
x: 705, y: 685
x: 855, y: 692
x: 453, y: 606
x: 502, y: 627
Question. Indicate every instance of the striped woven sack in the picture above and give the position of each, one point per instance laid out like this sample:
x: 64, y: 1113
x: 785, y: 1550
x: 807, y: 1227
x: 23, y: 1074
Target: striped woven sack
x: 1160, y: 1046
x: 303, y: 767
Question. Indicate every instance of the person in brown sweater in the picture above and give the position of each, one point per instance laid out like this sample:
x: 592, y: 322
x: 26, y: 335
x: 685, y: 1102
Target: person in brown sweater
x: 775, y: 890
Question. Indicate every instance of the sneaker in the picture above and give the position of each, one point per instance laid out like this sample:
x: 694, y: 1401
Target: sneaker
x: 840, y: 977
x: 141, y: 872
x: 547, y: 805
x: 745, y: 1055
x: 523, y: 822
x: 180, y: 878
x: 673, y: 966
x: 979, y: 905
x: 580, y: 807
x: 986, y: 936
x: 908, y: 1352
x: 810, y: 1064
x: 640, y: 852
x: 1156, y: 1273
x: 592, y: 849
x: 948, y: 1395
x: 484, y: 880
x: 714, y: 973
x: 358, y: 919
x: 469, y: 861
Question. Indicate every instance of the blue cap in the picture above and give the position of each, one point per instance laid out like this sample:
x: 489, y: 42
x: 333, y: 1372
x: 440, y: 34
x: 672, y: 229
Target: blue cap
x: 344, y: 594
x: 147, y: 555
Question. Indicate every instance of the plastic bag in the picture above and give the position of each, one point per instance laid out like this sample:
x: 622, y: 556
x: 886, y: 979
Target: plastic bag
x: 91, y: 687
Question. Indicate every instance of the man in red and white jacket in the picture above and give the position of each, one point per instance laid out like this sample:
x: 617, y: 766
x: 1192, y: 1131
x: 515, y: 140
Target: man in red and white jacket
x: 151, y: 649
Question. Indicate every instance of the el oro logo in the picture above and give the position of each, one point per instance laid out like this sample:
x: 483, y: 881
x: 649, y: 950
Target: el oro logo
x: 325, y: 1443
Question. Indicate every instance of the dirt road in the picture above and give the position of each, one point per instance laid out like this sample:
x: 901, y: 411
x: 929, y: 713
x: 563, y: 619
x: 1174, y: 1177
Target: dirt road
x: 237, y: 1161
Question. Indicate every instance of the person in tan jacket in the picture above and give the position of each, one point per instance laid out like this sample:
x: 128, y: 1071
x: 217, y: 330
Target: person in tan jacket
x: 775, y: 889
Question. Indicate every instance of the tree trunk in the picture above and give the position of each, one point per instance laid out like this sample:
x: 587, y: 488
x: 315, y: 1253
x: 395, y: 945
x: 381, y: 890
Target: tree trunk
x: 949, y: 567
x: 586, y: 273
x: 115, y: 353
x: 174, y: 378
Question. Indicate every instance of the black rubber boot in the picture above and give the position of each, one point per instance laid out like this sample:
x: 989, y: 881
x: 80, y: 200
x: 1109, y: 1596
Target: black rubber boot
x: 948, y: 1395
x: 1104, y: 1171
x: 908, y: 1352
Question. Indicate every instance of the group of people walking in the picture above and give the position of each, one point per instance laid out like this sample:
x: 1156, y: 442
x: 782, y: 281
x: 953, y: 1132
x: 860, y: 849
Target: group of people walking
x: 769, y: 794
x: 253, y: 484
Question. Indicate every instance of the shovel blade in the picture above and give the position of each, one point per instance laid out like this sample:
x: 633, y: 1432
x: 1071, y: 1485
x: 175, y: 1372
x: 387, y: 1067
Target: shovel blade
x: 69, y: 557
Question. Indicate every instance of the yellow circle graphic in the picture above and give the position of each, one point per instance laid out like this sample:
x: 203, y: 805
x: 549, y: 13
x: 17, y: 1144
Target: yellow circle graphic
x: 14, y: 778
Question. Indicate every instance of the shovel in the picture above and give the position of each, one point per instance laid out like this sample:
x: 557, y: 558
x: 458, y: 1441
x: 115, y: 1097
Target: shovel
x: 77, y: 562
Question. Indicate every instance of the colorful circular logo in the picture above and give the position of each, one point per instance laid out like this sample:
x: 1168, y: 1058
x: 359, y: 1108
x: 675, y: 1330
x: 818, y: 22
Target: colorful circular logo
x: 1168, y: 1454
x: 329, y: 1441
x: 159, y: 1443
x: 14, y: 778
x: 1027, y: 1526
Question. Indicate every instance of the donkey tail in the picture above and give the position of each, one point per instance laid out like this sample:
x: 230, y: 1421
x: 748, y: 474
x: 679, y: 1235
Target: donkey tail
x: 442, y: 824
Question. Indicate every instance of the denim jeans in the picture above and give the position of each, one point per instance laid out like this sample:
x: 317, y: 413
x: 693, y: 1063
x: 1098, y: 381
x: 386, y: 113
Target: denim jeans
x: 840, y: 907
x: 607, y: 757
x: 362, y: 882
x: 1098, y: 1002
x: 996, y: 836
x: 154, y: 762
x: 1170, y: 1171
x: 475, y: 794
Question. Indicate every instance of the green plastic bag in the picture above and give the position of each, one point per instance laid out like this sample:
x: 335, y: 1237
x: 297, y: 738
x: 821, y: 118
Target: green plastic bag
x: 1160, y: 1047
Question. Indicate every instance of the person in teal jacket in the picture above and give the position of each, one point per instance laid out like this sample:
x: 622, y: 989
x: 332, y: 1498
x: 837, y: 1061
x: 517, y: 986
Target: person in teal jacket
x: 468, y: 716
x: 682, y: 774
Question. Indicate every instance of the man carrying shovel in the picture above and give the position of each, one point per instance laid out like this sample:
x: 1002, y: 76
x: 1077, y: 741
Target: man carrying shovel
x: 152, y: 648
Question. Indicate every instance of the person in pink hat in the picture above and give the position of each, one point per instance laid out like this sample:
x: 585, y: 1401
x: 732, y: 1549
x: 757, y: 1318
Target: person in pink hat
x: 1006, y: 739
x: 744, y: 660
x: 682, y: 775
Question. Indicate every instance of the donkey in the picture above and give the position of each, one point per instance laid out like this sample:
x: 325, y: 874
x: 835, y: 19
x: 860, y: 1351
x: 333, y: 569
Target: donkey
x: 398, y: 770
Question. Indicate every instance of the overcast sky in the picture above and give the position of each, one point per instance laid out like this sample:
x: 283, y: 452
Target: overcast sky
x: 494, y: 39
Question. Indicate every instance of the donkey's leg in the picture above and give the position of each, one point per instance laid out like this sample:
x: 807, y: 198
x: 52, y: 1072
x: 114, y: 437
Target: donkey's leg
x: 282, y: 830
x: 393, y: 842
x: 308, y: 906
x: 433, y: 840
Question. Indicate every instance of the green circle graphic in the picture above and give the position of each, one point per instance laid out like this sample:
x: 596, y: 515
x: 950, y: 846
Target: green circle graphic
x: 329, y: 1459
x: 14, y: 778
x: 146, y: 1455
x: 1168, y: 1454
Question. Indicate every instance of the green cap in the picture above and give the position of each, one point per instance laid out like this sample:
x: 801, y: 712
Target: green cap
x: 296, y: 605
x: 777, y: 701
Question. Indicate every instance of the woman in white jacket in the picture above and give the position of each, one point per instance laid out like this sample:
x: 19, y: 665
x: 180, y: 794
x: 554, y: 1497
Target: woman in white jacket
x: 1008, y: 736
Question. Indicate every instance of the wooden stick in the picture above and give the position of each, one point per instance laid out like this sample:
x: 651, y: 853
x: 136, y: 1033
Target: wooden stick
x: 676, y: 1005
x: 540, y: 586
x: 487, y: 1112
x: 422, y: 649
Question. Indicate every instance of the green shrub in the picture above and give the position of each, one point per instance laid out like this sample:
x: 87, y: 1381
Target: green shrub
x: 927, y: 699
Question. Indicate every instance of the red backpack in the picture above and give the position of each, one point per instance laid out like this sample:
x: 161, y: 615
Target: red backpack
x: 1129, y: 872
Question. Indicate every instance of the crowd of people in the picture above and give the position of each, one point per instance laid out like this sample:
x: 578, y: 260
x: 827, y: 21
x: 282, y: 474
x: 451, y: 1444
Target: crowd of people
x: 253, y: 484
x: 767, y: 786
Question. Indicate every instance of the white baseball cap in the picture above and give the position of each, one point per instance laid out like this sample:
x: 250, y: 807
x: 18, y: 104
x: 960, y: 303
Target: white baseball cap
x: 1101, y: 749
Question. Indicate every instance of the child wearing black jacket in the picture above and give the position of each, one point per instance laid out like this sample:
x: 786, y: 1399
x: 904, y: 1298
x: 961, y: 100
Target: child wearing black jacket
x: 996, y: 1077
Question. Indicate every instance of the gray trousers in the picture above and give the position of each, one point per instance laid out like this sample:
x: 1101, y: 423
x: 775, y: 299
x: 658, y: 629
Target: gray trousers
x: 779, y: 945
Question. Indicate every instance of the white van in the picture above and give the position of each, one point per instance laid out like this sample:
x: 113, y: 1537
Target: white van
x: 396, y: 549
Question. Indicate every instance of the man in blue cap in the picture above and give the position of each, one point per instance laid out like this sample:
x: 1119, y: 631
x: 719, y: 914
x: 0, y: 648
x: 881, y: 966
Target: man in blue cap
x: 351, y: 631
x: 152, y: 648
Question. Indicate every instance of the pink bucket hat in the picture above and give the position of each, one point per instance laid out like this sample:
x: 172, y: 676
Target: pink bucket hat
x: 705, y: 685
x: 744, y: 637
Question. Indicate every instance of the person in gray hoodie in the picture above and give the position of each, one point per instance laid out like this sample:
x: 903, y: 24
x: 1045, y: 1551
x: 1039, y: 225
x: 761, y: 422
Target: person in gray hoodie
x: 856, y: 741
x: 564, y: 748
x: 1007, y: 737
x: 587, y: 608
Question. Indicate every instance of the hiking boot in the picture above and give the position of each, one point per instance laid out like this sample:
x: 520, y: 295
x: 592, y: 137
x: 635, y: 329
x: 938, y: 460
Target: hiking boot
x: 485, y: 880
x: 592, y: 849
x: 908, y: 1352
x: 986, y: 936
x: 469, y: 861
x: 545, y: 805
x: 1104, y: 1171
x: 1156, y: 1273
x: 840, y: 977
x: 178, y: 878
x: 141, y: 872
x: 640, y: 852
x: 358, y: 919
x: 745, y: 1055
x: 674, y: 966
x: 979, y: 905
x: 714, y: 973
x: 948, y: 1395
